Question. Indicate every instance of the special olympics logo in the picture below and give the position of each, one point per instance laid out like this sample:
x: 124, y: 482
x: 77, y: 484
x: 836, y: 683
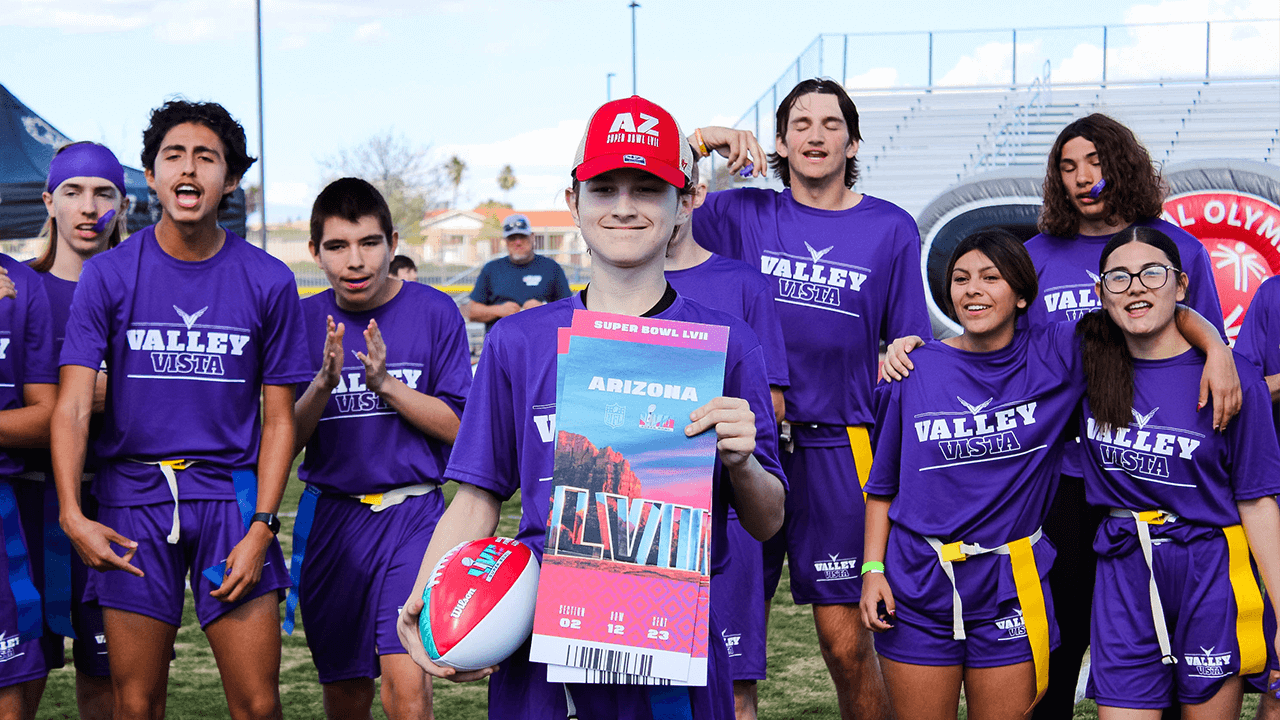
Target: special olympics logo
x: 1240, y: 232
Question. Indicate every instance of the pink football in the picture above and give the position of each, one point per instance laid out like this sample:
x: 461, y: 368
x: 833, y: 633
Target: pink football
x: 478, y: 603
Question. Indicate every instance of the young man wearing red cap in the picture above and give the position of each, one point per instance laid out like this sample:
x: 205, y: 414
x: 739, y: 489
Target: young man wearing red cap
x: 631, y: 190
x: 845, y: 272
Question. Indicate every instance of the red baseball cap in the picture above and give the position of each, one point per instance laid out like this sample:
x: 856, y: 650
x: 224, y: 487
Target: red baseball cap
x: 634, y: 133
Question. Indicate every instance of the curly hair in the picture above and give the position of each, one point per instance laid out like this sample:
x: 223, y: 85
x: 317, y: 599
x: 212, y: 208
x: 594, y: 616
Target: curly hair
x: 211, y: 115
x: 1134, y: 189
x: 850, y: 112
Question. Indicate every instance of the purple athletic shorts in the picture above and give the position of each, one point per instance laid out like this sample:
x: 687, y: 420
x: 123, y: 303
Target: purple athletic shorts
x: 519, y: 691
x: 372, y: 558
x: 822, y: 532
x: 210, y: 530
x: 1199, y: 607
x: 737, y: 596
x: 89, y: 649
x: 994, y: 642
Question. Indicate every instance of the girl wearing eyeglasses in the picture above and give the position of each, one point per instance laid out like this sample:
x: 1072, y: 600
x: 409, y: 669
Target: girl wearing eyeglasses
x: 1176, y: 607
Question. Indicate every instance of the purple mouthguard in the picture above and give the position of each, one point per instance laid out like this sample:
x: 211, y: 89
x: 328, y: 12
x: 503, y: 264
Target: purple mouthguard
x: 747, y: 170
x: 1096, y: 190
x: 101, y: 225
x: 85, y: 160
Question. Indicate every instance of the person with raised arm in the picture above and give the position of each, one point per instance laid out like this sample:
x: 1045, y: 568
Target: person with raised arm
x: 844, y: 268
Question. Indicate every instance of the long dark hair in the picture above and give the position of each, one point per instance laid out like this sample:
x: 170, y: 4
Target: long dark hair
x: 1108, y: 366
x: 1010, y: 257
x: 44, y: 263
x: 1134, y: 188
x: 850, y: 112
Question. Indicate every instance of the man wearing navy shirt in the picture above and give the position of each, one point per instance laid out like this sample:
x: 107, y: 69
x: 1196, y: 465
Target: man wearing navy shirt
x: 519, y: 281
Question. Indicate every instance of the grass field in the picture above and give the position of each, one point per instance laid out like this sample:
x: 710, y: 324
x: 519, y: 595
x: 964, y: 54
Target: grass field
x: 798, y: 684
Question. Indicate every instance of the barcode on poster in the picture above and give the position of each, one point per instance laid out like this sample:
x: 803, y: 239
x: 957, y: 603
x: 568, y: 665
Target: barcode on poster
x: 597, y: 677
x: 619, y: 662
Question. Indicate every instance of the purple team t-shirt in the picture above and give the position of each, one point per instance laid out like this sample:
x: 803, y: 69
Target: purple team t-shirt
x: 968, y: 446
x: 738, y: 289
x: 188, y: 345
x: 1067, y: 269
x: 1259, y: 338
x: 360, y: 444
x: 843, y: 281
x: 507, y: 438
x: 60, y: 294
x: 26, y: 347
x: 1169, y: 456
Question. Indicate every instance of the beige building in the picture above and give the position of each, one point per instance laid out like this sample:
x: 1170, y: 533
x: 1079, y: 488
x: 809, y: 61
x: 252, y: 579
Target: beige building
x: 472, y: 237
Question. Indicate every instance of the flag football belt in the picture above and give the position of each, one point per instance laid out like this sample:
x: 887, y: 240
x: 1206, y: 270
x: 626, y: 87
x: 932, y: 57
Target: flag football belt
x: 1026, y: 578
x: 307, y: 516
x: 26, y: 598
x: 1249, y: 635
x: 860, y: 444
x: 57, y: 557
x: 169, y: 469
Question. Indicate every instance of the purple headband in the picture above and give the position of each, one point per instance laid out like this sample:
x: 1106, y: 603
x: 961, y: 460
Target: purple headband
x: 85, y: 160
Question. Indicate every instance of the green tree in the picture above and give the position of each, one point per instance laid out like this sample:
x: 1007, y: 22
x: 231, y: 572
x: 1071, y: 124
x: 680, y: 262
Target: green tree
x: 401, y: 170
x: 507, y: 181
x: 454, y: 170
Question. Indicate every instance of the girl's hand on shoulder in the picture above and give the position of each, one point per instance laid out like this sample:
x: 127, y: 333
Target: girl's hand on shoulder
x: 1221, y: 380
x: 897, y: 365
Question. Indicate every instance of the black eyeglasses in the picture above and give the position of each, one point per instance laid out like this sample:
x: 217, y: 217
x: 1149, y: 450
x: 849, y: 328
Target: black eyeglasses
x: 1153, y: 277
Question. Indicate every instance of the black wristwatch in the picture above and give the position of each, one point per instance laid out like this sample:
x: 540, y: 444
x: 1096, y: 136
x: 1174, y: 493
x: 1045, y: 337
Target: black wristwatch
x: 273, y: 522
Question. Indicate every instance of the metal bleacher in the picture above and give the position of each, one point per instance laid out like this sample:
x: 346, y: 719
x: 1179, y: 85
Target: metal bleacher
x: 933, y: 113
x: 918, y: 143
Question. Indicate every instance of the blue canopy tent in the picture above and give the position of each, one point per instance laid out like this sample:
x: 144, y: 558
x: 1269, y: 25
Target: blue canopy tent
x: 27, y: 146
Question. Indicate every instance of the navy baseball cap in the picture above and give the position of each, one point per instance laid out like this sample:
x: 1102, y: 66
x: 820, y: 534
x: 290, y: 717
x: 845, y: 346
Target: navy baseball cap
x: 516, y: 224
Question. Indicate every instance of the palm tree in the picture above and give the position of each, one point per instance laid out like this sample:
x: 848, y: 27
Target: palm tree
x: 454, y: 169
x: 506, y: 181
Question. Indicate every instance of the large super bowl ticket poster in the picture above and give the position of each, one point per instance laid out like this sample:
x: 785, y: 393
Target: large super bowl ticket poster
x: 624, y: 590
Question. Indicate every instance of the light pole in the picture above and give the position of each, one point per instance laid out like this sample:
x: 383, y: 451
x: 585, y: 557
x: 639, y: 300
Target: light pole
x: 633, y: 7
x: 608, y: 86
x: 262, y: 143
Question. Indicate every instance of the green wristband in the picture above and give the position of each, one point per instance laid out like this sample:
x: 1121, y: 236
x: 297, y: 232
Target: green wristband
x: 872, y: 566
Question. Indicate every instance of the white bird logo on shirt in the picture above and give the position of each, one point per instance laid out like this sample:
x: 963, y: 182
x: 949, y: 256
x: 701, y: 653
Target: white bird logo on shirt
x: 191, y: 319
x: 1142, y: 420
x: 974, y: 409
x: 817, y: 254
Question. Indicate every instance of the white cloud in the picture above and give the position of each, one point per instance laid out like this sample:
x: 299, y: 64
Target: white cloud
x: 370, y: 32
x: 1143, y: 50
x: 542, y: 146
x: 990, y: 64
x: 293, y: 42
x: 189, y: 21
x: 881, y: 77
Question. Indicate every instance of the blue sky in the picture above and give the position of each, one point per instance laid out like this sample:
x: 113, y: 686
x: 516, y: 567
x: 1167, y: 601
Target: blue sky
x: 496, y: 82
